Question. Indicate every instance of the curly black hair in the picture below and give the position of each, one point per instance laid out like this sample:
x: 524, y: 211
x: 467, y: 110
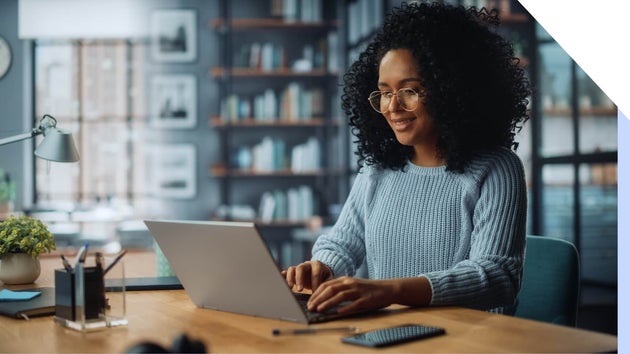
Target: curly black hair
x: 476, y: 91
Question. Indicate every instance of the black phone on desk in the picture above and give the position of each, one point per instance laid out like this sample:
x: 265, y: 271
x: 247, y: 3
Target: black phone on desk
x: 393, y: 335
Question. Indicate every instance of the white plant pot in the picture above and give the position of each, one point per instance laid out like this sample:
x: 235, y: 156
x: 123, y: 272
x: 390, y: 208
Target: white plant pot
x: 19, y: 268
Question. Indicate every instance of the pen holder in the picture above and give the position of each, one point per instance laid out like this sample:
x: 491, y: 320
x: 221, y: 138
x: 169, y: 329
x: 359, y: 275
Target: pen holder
x: 83, y: 303
x: 66, y: 294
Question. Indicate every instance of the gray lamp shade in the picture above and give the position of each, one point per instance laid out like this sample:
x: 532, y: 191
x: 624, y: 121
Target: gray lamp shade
x: 57, y: 146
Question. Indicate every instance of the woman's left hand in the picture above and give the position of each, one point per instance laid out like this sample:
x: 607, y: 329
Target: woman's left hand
x: 363, y: 294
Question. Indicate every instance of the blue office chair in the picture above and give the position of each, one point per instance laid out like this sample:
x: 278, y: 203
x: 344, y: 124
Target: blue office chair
x: 551, y: 281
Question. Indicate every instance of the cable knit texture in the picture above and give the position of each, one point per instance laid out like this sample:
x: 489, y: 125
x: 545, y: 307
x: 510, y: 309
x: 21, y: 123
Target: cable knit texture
x: 464, y: 232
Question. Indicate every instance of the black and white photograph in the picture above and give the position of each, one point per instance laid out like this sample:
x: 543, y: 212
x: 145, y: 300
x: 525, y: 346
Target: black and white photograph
x: 173, y: 101
x: 174, y: 35
x: 172, y: 171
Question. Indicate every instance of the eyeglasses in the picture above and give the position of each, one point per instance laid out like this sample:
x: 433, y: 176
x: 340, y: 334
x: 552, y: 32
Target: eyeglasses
x: 407, y: 99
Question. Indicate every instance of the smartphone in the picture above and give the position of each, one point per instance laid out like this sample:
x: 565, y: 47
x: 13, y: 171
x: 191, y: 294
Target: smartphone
x: 393, y: 335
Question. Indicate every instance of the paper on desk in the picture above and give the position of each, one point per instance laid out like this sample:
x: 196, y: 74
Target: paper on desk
x: 8, y: 295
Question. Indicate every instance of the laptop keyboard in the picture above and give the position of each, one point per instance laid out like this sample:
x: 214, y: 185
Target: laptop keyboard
x: 302, y: 299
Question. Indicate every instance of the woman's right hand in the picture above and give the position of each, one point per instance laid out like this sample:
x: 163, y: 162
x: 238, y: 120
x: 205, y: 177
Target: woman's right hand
x: 307, y: 275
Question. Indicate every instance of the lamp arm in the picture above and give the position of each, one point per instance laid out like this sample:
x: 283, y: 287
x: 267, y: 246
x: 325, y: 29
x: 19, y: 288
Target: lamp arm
x: 19, y: 137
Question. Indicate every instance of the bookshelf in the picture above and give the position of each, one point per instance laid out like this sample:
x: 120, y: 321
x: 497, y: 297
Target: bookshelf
x: 278, y: 118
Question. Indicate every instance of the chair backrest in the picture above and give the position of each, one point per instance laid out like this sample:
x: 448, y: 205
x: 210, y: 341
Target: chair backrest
x: 551, y: 281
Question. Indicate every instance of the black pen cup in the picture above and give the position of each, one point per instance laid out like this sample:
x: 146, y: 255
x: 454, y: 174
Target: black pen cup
x: 68, y: 305
x: 83, y: 299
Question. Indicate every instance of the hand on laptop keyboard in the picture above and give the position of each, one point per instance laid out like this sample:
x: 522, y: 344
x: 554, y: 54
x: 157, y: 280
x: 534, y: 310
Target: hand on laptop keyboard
x: 308, y: 275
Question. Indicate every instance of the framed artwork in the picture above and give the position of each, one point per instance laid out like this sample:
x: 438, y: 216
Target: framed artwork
x: 172, y: 171
x: 174, y: 35
x: 173, y: 101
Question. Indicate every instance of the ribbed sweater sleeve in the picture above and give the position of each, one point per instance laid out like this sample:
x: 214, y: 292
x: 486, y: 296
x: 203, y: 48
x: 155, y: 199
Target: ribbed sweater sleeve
x: 465, y: 232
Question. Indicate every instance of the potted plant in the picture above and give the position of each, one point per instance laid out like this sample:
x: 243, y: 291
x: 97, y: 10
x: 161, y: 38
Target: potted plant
x: 22, y: 240
x: 7, y: 192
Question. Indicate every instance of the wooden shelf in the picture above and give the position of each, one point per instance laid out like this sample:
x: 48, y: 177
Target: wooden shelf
x: 583, y: 112
x: 598, y: 111
x: 270, y: 23
x: 258, y: 73
x: 222, y: 171
x: 513, y: 18
x: 217, y: 122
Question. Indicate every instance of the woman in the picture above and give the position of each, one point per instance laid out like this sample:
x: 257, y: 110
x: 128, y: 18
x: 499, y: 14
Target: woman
x: 438, y: 209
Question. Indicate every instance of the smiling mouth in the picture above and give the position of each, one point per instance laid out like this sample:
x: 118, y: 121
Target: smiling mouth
x: 401, y: 124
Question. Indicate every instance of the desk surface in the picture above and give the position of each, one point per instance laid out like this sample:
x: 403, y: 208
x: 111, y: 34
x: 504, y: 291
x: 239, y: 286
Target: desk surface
x: 159, y: 316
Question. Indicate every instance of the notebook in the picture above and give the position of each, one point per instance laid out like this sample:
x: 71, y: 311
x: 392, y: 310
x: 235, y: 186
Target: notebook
x: 144, y: 283
x: 41, y: 305
x: 227, y: 266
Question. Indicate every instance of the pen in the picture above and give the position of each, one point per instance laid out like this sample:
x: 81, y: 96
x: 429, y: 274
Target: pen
x: 99, y: 260
x: 118, y: 257
x: 293, y: 331
x: 66, y: 264
x: 81, y: 254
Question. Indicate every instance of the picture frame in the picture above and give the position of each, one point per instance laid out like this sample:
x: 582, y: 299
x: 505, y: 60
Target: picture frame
x: 173, y: 35
x: 173, y: 101
x: 172, y: 171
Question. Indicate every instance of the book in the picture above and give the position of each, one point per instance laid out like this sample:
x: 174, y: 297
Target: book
x: 267, y: 207
x: 41, y: 305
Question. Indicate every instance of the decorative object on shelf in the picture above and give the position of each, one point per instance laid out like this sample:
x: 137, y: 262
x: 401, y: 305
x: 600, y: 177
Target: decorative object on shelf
x: 174, y: 35
x: 57, y: 145
x: 174, y: 101
x: 294, y: 205
x: 294, y: 103
x: 292, y: 11
x: 7, y: 193
x: 172, y: 171
x: 22, y: 240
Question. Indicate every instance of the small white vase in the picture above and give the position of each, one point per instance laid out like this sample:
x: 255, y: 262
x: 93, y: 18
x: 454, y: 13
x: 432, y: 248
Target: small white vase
x: 19, y: 268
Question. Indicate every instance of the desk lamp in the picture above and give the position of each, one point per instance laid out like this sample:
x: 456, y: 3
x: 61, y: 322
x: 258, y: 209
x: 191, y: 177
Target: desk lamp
x: 57, y: 145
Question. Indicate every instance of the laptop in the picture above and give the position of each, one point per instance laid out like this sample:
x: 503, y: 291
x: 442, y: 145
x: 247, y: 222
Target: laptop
x: 227, y: 266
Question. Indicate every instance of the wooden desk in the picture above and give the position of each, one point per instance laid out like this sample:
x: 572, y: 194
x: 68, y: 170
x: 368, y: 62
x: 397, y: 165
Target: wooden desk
x: 159, y: 316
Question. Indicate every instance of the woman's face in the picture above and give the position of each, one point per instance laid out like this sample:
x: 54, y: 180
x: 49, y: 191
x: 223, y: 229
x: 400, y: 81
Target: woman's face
x: 398, y: 70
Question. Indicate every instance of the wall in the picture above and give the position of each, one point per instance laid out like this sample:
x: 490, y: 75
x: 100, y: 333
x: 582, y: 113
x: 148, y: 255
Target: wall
x: 205, y: 139
x: 12, y: 102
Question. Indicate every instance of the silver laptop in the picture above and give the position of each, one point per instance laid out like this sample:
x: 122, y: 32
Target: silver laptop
x: 227, y: 266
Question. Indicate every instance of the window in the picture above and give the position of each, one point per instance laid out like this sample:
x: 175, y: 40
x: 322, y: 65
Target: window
x: 574, y: 193
x: 96, y: 90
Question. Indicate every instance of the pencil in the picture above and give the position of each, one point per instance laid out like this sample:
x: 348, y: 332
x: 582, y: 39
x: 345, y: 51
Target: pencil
x: 118, y: 257
x: 66, y: 264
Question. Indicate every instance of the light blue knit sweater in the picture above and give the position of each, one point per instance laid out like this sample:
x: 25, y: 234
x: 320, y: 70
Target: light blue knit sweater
x: 464, y: 232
